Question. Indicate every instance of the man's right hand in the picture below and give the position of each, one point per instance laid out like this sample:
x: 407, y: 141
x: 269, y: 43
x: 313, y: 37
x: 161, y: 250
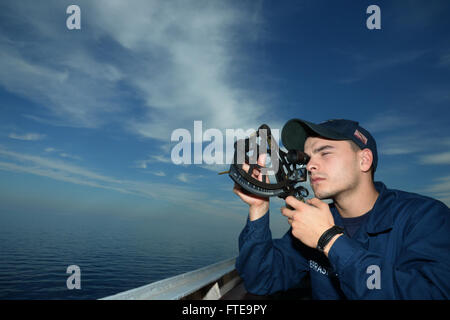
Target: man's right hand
x: 258, y: 205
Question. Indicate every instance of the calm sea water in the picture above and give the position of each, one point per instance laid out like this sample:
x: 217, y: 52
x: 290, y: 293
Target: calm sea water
x: 113, y: 253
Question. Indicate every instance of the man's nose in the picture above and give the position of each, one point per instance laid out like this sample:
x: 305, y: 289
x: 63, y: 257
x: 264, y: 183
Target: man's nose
x: 311, y: 165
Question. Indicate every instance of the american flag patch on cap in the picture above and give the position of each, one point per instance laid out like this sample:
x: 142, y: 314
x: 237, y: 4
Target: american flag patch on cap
x: 360, y: 136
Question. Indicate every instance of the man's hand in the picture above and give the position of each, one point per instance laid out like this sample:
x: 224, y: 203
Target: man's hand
x: 308, y: 220
x: 258, y: 205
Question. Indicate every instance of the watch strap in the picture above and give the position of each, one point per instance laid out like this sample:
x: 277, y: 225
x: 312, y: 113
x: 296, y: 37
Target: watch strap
x: 327, y: 236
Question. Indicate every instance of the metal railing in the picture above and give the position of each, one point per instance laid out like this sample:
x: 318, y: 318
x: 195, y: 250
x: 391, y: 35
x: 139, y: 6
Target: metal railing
x: 210, y: 282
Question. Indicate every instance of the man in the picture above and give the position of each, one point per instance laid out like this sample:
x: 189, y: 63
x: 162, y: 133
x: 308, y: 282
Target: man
x: 370, y: 243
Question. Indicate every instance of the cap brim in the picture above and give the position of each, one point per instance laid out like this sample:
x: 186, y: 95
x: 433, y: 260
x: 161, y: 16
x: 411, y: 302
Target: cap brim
x: 296, y: 131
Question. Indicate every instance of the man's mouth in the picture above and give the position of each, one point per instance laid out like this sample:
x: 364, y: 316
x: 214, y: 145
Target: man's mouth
x: 316, y: 180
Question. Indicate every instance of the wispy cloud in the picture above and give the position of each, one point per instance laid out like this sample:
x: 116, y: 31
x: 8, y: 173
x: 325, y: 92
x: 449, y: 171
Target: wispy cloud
x: 69, y: 156
x: 187, y: 177
x: 176, y: 59
x: 158, y: 173
x: 440, y: 188
x: 192, y: 82
x: 401, y: 143
x: 68, y: 94
x: 442, y: 185
x: 62, y: 171
x: 60, y: 175
x: 159, y: 158
x: 56, y: 166
x: 363, y: 66
x: 389, y: 121
x: 402, y: 134
x: 437, y: 158
x: 140, y: 164
x: 144, y: 164
x: 409, y: 142
x: 27, y: 136
x: 62, y: 154
x: 183, y: 177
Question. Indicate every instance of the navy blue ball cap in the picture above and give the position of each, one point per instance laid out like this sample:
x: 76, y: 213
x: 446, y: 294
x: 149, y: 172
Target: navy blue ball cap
x: 296, y: 131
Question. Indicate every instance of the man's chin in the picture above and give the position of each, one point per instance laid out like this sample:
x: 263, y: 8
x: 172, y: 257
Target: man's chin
x: 322, y: 195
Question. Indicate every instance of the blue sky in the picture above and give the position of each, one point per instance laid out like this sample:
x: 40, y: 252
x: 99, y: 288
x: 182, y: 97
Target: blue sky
x: 86, y: 115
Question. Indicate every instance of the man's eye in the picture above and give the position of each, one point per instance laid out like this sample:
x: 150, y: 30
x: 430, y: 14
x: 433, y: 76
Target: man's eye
x: 325, y: 153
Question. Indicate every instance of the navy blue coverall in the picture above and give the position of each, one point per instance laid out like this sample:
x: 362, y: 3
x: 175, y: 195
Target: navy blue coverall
x: 405, y: 242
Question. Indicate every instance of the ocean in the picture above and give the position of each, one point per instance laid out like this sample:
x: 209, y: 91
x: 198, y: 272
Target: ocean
x: 113, y: 253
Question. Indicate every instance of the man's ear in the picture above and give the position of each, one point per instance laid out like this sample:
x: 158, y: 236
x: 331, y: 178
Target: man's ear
x: 365, y: 159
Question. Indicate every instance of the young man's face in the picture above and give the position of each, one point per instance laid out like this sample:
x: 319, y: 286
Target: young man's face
x: 333, y: 167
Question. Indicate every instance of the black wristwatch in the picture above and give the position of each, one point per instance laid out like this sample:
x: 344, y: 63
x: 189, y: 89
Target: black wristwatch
x: 327, y: 236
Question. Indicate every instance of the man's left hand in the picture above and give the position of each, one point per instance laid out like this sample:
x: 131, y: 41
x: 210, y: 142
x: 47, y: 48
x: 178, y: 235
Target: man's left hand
x: 308, y: 220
